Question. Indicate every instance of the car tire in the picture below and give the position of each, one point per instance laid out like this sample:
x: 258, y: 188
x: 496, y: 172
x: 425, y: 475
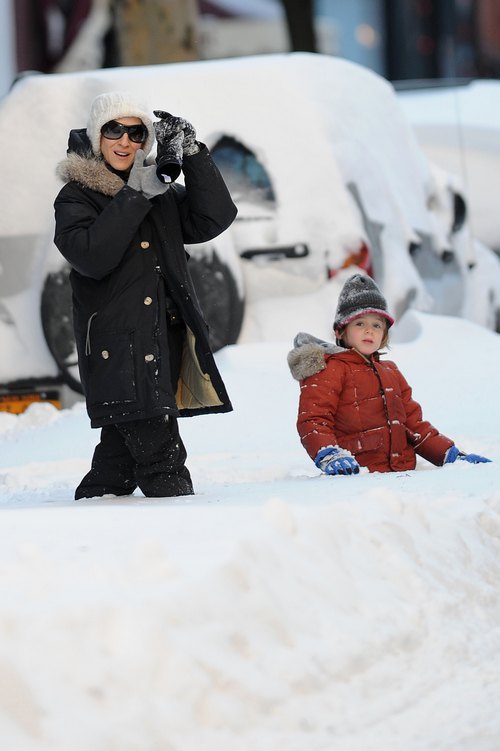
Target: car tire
x: 57, y: 324
x: 219, y: 297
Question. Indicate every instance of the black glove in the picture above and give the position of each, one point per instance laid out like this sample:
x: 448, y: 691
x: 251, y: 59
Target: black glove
x: 143, y: 178
x: 176, y: 138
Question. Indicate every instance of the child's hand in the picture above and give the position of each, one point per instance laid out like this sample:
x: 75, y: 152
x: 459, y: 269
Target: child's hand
x: 454, y: 453
x: 474, y: 458
x: 334, y: 460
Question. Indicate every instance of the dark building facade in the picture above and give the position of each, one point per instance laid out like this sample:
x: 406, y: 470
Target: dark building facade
x: 431, y: 39
x: 400, y: 39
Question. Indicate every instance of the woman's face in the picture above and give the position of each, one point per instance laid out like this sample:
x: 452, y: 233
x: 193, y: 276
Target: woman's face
x: 120, y: 154
x: 365, y: 333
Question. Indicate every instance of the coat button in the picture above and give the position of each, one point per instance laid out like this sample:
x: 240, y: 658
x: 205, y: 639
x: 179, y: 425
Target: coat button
x: 149, y: 358
x: 105, y: 354
x: 144, y: 245
x: 148, y: 300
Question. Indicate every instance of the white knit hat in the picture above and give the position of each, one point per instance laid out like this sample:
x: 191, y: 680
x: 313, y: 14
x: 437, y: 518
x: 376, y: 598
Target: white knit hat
x: 111, y: 106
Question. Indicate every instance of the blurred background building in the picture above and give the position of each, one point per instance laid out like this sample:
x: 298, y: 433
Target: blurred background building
x: 399, y: 39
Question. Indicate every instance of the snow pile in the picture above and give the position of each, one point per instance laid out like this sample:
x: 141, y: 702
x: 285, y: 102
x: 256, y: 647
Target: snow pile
x: 276, y: 608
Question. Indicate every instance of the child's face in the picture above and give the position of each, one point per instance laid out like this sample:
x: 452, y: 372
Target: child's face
x: 365, y: 333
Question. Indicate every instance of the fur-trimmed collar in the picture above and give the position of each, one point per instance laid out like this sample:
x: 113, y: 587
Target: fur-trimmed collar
x: 91, y: 172
x: 308, y: 355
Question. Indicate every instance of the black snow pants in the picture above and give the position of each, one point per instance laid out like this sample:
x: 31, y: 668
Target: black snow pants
x: 149, y: 454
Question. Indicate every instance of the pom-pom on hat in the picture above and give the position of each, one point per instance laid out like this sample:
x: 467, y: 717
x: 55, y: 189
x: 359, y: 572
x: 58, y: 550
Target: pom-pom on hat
x: 359, y: 296
x: 112, y: 106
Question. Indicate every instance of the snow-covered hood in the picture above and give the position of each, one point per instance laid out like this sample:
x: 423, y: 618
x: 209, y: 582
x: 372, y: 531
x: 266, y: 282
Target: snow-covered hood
x: 308, y: 355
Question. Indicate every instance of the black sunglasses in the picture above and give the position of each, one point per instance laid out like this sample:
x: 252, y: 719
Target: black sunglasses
x: 114, y: 130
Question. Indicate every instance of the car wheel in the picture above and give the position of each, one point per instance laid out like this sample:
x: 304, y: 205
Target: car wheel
x: 57, y: 324
x: 219, y: 297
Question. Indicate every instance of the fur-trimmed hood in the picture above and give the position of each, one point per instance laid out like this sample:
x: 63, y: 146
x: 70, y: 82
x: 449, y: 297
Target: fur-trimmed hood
x: 82, y: 166
x: 308, y: 355
x: 91, y: 172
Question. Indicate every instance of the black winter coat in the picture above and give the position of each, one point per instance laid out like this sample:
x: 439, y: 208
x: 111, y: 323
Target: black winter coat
x: 127, y: 256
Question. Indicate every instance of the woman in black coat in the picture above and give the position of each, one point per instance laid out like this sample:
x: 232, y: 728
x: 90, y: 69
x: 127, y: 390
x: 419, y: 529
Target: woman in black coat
x: 143, y: 349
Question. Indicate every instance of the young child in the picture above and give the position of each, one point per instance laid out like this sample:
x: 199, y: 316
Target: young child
x: 355, y: 409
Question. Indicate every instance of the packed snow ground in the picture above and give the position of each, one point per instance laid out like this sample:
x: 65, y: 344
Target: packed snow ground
x: 276, y: 608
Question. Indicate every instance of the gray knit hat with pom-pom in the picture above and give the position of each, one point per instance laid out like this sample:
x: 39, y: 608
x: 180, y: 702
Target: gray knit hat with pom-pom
x: 359, y: 296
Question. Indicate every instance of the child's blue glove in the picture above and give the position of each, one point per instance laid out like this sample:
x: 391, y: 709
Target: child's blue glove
x: 334, y: 460
x: 454, y: 453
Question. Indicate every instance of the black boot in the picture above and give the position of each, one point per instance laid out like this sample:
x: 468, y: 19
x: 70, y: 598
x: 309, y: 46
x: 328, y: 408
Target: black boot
x: 160, y: 457
x: 113, y: 468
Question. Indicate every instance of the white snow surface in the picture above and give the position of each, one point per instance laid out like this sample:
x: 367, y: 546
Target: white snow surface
x: 275, y: 609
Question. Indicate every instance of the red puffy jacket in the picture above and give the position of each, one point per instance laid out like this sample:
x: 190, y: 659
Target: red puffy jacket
x: 364, y: 406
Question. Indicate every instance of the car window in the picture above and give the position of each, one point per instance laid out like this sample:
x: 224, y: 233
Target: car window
x: 245, y: 176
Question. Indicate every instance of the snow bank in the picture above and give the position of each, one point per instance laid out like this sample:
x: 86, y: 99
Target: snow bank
x: 362, y: 623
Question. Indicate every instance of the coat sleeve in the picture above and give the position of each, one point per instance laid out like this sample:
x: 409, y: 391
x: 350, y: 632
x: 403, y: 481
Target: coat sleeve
x: 319, y: 398
x: 94, y: 239
x: 205, y: 205
x: 426, y: 440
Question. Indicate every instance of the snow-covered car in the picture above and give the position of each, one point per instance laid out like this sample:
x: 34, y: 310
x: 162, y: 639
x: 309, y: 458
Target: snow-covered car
x: 457, y: 124
x: 327, y: 176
